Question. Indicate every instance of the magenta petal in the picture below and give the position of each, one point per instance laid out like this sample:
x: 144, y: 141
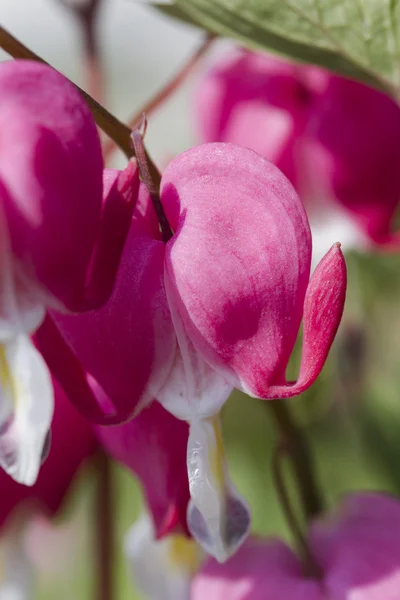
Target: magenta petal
x: 359, y: 548
x: 323, y: 309
x: 127, y: 347
x: 51, y: 177
x: 153, y: 446
x: 258, y: 571
x: 68, y: 371
x: 118, y: 205
x: 238, y: 264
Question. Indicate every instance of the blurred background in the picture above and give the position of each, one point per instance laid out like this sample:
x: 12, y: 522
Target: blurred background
x: 351, y: 414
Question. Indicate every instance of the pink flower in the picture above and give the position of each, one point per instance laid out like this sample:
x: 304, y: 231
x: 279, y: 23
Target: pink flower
x: 237, y: 270
x: 312, y: 126
x: 153, y: 447
x: 59, y: 247
x: 218, y: 306
x: 358, y: 551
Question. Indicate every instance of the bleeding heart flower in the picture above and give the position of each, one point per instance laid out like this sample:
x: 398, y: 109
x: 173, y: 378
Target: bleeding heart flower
x: 231, y: 286
x: 237, y: 270
x: 358, y: 552
x: 58, y: 247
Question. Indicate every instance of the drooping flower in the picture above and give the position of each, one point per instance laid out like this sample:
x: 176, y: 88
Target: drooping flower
x: 311, y: 124
x: 231, y: 287
x: 358, y: 551
x: 237, y: 270
x: 58, y: 247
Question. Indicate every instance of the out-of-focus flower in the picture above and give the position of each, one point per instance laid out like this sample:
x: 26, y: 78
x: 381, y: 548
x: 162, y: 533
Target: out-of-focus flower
x: 312, y: 126
x: 153, y: 446
x: 58, y: 247
x: 358, y: 551
x: 161, y: 569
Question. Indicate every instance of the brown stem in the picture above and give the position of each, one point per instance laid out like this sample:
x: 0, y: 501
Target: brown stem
x: 311, y: 568
x: 297, y: 447
x: 117, y: 131
x: 104, y: 533
x: 165, y: 92
x: 152, y: 184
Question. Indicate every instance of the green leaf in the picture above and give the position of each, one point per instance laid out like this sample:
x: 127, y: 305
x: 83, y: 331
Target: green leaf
x: 356, y: 38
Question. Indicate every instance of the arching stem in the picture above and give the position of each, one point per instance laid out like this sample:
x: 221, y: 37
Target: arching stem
x: 151, y: 182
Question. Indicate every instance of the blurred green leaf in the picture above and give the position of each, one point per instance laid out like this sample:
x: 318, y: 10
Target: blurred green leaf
x: 356, y: 38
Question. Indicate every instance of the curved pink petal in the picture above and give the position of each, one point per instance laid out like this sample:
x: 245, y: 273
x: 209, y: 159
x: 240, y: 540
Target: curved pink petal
x: 322, y: 313
x: 359, y: 548
x: 260, y: 570
x: 126, y: 348
x: 238, y: 264
x: 72, y: 442
x: 51, y: 177
x: 153, y: 446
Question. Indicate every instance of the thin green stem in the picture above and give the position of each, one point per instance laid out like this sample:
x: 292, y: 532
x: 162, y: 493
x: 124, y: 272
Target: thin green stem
x: 104, y: 531
x: 311, y: 568
x: 297, y: 447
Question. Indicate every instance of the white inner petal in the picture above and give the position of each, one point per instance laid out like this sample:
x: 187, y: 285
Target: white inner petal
x: 218, y: 516
x: 26, y: 409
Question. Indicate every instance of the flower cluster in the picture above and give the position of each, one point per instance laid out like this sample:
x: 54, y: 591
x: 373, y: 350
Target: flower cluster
x: 146, y: 334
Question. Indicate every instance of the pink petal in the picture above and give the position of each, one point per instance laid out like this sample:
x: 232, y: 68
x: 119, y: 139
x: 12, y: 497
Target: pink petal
x: 360, y: 548
x: 50, y: 174
x: 126, y: 347
x: 120, y: 195
x: 323, y: 309
x: 238, y: 264
x: 153, y: 446
x: 258, y: 571
x: 72, y: 442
